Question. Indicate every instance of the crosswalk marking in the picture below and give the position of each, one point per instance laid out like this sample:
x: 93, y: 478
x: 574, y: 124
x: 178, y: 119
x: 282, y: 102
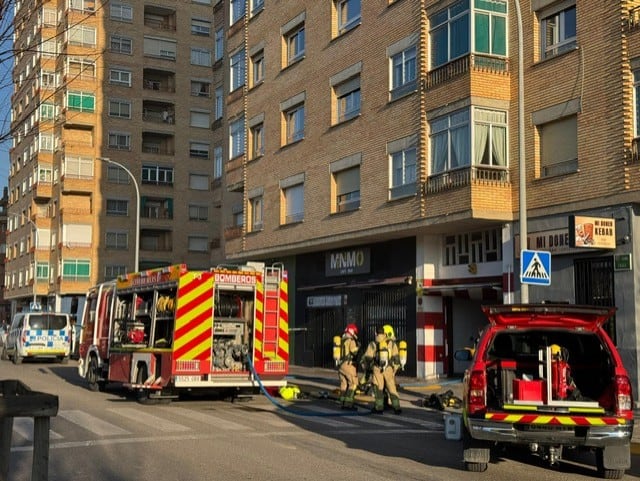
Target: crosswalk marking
x: 92, y: 423
x: 143, y: 418
x: 218, y: 421
x: 23, y: 427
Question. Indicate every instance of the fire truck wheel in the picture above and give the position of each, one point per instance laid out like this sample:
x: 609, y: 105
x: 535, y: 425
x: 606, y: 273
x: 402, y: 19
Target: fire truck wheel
x: 93, y: 374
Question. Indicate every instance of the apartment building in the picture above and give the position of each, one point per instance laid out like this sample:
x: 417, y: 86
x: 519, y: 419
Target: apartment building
x: 113, y: 154
x: 390, y: 147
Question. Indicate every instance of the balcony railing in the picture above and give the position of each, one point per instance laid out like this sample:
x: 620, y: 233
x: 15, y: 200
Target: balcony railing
x: 452, y: 179
x: 477, y: 62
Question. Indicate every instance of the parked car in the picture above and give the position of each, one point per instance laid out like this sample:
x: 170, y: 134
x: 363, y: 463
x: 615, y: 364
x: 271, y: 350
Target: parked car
x: 547, y: 376
x: 38, y: 335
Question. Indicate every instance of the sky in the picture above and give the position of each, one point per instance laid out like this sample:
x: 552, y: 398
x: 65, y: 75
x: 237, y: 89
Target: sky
x: 6, y: 89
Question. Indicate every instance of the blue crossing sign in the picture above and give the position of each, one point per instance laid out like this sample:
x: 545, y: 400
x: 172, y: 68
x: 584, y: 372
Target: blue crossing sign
x: 535, y: 267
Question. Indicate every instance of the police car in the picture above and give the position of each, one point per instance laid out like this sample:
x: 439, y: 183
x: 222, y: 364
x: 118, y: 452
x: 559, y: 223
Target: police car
x: 38, y: 335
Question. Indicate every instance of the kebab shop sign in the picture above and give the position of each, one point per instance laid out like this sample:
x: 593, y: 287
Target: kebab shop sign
x: 592, y: 232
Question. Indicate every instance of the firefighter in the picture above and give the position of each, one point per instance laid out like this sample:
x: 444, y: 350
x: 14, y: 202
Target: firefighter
x: 383, y: 360
x: 347, y: 371
x: 562, y: 385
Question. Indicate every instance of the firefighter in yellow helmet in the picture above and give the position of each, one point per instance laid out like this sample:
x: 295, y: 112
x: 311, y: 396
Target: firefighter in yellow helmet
x: 383, y: 359
x: 347, y: 366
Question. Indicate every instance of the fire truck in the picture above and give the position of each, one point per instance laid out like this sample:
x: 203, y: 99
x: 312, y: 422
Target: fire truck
x: 165, y: 330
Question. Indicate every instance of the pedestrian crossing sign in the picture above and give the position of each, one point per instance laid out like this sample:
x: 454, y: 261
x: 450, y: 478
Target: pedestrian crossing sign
x: 535, y: 267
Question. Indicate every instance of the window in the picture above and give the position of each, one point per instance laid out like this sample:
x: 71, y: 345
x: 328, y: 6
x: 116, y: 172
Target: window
x: 490, y: 23
x: 198, y: 212
x: 156, y: 208
x: 49, y: 48
x: 120, y: 141
x: 160, y: 47
x: 559, y: 146
x: 120, y: 77
x: 257, y: 68
x: 256, y: 6
x: 490, y: 138
x: 219, y: 45
x: 558, y: 32
x: 295, y: 44
x: 84, y: 5
x: 200, y: 119
x: 294, y: 124
x: 76, y: 269
x: 238, y: 215
x: 257, y: 140
x: 46, y: 142
x: 121, y: 12
x: 347, y: 188
x: 255, y: 213
x: 48, y: 79
x: 42, y: 270
x: 450, y: 142
x: 219, y: 103
x: 449, y: 33
x: 293, y: 197
x: 116, y: 175
x: 81, y: 35
x: 199, y: 150
x: 198, y: 182
x: 120, y: 108
x: 236, y: 138
x: 45, y: 174
x: 117, y: 240
x: 120, y: 44
x: 201, y: 56
x: 474, y: 247
x: 402, y: 166
x: 237, y: 70
x: 347, y: 95
x: 80, y: 68
x: 47, y: 111
x: 236, y: 10
x: 113, y: 271
x: 200, y: 27
x: 117, y: 207
x: 81, y: 101
x: 200, y: 88
x: 197, y: 244
x: 49, y: 17
x: 78, y: 167
x: 348, y: 14
x: 217, y: 163
x: 155, y: 174
x: 636, y: 102
x: 403, y: 72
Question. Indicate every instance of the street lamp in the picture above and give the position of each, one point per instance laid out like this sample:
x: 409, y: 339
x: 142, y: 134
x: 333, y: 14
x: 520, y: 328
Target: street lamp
x: 524, y: 288
x: 135, y: 184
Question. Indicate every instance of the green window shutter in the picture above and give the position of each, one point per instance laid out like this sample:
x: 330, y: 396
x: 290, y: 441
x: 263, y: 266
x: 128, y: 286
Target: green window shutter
x: 88, y: 103
x: 83, y: 268
x: 482, y: 33
x: 73, y: 101
x: 68, y: 268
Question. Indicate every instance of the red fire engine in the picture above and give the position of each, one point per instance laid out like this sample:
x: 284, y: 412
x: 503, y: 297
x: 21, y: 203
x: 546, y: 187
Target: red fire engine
x: 163, y: 330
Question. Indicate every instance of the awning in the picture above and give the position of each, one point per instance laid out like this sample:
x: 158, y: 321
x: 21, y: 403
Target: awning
x: 488, y: 291
x: 388, y: 281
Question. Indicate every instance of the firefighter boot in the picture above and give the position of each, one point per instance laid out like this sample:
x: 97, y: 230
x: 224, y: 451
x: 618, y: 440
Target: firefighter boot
x: 341, y: 397
x: 395, y: 404
x: 378, y: 401
x: 348, y: 401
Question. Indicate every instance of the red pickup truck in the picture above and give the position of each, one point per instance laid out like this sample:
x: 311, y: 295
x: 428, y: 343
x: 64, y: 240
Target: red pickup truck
x: 547, y: 376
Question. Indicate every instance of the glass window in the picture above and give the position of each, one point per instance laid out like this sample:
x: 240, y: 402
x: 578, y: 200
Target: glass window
x: 120, y: 77
x: 82, y: 35
x: 219, y: 103
x: 217, y: 162
x: 236, y: 10
x: 257, y: 141
x: 558, y: 32
x: 121, y: 141
x: 348, y: 14
x: 198, y: 244
x: 403, y: 172
x: 200, y: 119
x: 236, y: 138
x: 294, y: 124
x: 200, y: 27
x: 120, y: 11
x: 77, y: 269
x: 117, y: 207
x: 449, y: 33
x: 116, y: 240
x: 155, y: 174
x: 257, y: 68
x: 490, y: 17
x: 198, y: 212
x: 347, y: 99
x: 255, y: 213
x: 113, y: 271
x: 201, y: 56
x: 81, y: 101
x: 199, y: 150
x: 219, y: 44
x: 200, y: 88
x: 256, y: 6
x: 450, y: 142
x: 347, y: 189
x: 403, y: 72
x: 490, y: 137
x: 295, y: 43
x: 237, y: 70
x: 293, y: 204
x: 120, y: 44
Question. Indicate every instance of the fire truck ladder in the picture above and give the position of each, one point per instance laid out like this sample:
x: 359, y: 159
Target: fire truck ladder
x: 272, y: 278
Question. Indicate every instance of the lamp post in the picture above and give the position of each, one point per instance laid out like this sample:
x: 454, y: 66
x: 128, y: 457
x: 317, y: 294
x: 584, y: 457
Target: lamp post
x: 524, y: 288
x: 135, y: 184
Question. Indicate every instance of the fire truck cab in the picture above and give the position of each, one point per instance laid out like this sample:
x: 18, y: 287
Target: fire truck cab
x: 164, y: 330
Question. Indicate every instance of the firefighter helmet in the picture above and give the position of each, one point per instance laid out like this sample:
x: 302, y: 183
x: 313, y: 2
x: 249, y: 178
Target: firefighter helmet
x: 351, y: 330
x: 289, y: 392
x: 555, y: 350
x: 388, y: 330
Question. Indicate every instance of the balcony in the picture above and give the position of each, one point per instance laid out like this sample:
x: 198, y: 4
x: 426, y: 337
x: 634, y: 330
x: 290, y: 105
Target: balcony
x: 232, y: 232
x: 159, y: 18
x: 475, y: 189
x: 470, y: 63
x: 156, y: 240
x: 158, y: 143
x: 80, y: 184
x: 42, y: 190
x: 158, y: 112
x: 234, y: 174
x: 158, y: 80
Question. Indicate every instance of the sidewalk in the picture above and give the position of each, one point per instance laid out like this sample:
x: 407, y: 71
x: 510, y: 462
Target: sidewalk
x: 322, y: 382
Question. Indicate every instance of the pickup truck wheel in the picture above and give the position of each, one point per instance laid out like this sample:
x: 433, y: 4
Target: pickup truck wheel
x: 475, y: 467
x: 604, y: 472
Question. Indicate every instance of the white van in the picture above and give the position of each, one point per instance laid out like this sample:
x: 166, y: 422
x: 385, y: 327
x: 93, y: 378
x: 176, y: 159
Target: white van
x: 38, y: 335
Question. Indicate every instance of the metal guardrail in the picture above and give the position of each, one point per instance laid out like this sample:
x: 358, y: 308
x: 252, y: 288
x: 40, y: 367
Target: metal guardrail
x: 17, y: 400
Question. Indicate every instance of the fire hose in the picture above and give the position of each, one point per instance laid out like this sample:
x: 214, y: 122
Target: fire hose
x: 288, y: 409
